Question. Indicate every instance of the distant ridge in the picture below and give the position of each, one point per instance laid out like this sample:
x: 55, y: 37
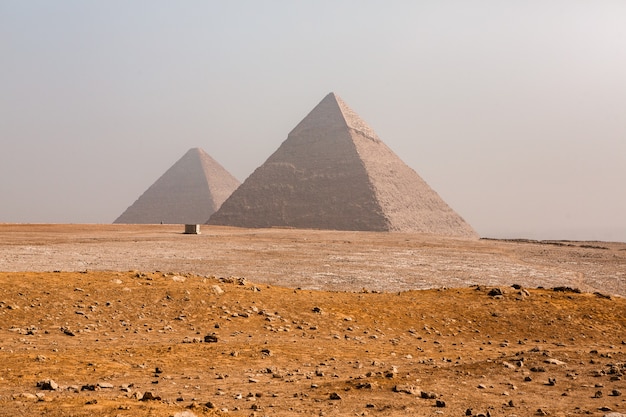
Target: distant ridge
x: 187, y: 193
x: 333, y: 172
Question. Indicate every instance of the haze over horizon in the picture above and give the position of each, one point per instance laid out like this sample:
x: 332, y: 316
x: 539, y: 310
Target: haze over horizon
x: 514, y: 112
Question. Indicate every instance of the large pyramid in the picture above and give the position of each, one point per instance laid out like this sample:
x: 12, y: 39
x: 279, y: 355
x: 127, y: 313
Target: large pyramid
x: 333, y: 172
x: 188, y: 193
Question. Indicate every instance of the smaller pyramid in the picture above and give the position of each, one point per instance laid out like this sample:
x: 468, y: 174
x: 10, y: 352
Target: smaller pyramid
x: 188, y: 193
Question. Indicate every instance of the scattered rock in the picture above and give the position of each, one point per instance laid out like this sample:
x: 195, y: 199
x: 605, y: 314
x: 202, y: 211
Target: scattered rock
x: 335, y: 396
x: 48, y: 385
x: 407, y: 389
x: 600, y: 295
x: 210, y: 338
x: 495, y: 292
x: 428, y: 395
x: 148, y: 396
x: 217, y: 290
x: 567, y: 289
x: 26, y: 396
x: 185, y: 414
x: 68, y: 332
x: 391, y: 372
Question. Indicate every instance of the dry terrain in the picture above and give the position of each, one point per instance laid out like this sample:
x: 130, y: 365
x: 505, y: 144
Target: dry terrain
x: 97, y: 319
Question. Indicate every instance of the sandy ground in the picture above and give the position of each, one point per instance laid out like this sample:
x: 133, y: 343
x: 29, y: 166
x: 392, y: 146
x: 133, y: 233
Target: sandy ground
x: 241, y: 322
x: 315, y: 259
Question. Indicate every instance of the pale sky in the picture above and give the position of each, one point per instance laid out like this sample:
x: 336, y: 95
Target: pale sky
x: 513, y: 111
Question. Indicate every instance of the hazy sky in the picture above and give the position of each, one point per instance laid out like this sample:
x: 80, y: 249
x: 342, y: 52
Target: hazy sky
x: 513, y: 111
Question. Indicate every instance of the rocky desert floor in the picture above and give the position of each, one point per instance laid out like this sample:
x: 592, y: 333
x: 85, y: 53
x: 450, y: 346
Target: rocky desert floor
x: 120, y: 320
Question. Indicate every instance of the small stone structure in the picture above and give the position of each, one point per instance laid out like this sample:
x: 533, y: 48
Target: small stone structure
x: 192, y: 229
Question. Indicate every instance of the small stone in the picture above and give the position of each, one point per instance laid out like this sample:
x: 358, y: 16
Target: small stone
x: 210, y: 338
x: 185, y: 414
x: 148, y: 396
x: 407, y: 389
x: 48, y: 385
x: 615, y: 393
x: 495, y: 292
x: 553, y: 361
x: 428, y: 395
x: 27, y: 396
x: 440, y: 404
x: 598, y: 394
x: 335, y: 396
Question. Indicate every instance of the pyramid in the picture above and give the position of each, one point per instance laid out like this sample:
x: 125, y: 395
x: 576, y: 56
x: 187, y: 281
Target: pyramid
x: 188, y: 193
x: 333, y: 172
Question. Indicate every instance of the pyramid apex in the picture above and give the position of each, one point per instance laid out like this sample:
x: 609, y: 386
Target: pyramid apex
x: 335, y: 96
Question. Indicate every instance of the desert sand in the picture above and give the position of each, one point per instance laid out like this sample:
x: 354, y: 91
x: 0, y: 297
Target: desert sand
x: 97, y: 319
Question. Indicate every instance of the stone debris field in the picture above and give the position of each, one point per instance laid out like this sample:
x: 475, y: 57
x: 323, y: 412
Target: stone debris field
x: 126, y: 320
